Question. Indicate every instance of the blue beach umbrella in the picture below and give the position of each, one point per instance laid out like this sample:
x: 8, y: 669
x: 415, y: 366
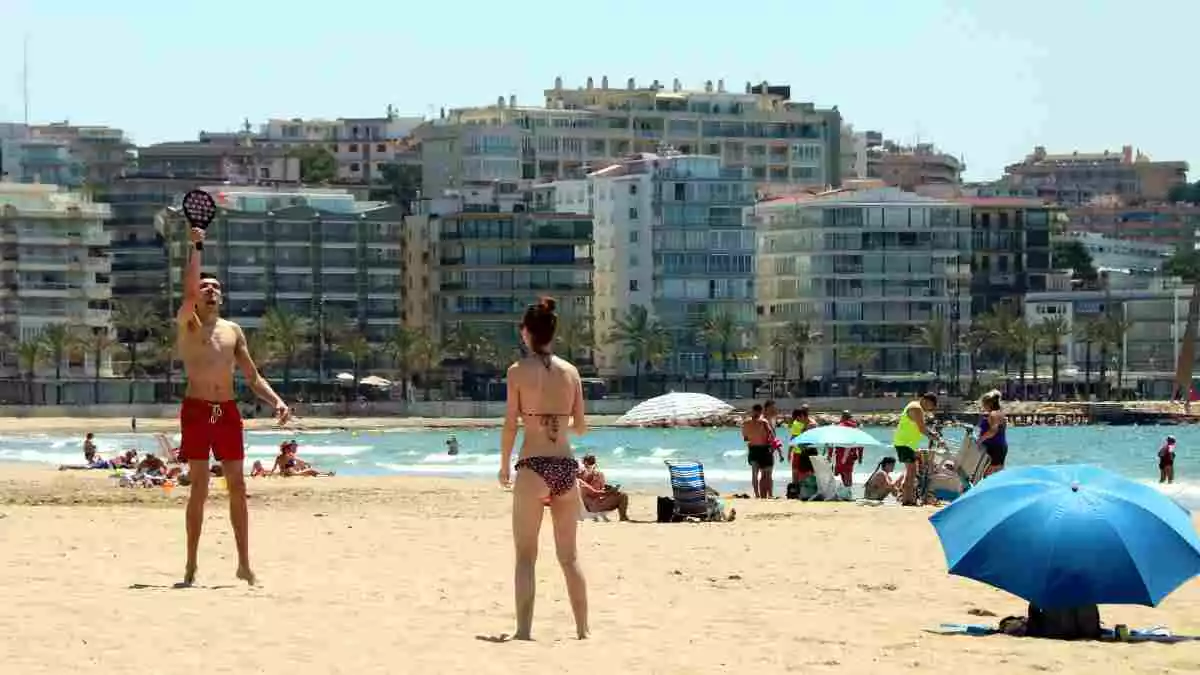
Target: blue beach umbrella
x: 835, y: 435
x: 1070, y: 535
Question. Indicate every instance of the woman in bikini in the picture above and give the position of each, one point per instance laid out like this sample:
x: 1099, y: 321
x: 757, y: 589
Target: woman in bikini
x: 546, y: 392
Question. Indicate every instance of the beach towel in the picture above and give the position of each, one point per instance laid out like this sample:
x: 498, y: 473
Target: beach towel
x: 1153, y: 634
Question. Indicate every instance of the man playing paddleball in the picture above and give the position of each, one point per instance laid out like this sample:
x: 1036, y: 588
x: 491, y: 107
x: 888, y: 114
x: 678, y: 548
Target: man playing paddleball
x: 210, y: 347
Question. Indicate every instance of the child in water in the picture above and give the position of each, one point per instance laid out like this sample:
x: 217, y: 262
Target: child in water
x: 1166, y: 461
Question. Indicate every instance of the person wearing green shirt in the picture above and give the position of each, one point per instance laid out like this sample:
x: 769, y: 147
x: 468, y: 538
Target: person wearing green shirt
x: 907, y: 439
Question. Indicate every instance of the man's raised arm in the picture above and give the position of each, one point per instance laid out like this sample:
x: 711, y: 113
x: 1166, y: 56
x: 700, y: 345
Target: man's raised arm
x: 191, y: 281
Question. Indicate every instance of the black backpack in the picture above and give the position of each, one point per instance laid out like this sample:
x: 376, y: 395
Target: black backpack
x: 666, y: 510
x: 1075, y: 623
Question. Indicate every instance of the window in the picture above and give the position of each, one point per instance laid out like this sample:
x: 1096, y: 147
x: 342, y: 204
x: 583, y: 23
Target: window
x: 354, y: 166
x: 354, y: 147
x: 380, y: 147
x: 264, y: 172
x: 633, y: 236
x: 633, y: 188
x: 633, y: 260
x: 633, y: 285
x: 633, y: 215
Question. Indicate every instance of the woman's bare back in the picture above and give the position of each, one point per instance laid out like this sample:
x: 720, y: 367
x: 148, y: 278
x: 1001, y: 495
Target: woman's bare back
x: 550, y: 397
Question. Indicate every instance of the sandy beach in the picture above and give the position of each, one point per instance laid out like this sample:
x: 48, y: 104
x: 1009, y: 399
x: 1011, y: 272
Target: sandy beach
x: 390, y: 575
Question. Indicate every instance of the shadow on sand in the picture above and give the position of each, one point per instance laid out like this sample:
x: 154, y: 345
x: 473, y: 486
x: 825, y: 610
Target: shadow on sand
x: 179, y: 585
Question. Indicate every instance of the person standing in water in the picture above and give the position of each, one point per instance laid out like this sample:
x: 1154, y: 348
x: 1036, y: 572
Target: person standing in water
x: 907, y: 439
x: 547, y: 393
x: 1166, y: 461
x: 210, y: 348
x: 992, y: 427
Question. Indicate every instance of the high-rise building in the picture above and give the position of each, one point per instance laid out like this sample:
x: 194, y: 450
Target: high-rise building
x: 1010, y: 249
x: 779, y: 141
x: 870, y: 269
x: 361, y: 146
x: 317, y: 254
x: 909, y: 167
x: 495, y: 257
x: 54, y: 269
x: 670, y: 238
x: 103, y: 152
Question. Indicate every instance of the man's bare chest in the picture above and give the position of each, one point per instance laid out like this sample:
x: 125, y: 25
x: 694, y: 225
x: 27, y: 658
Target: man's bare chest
x: 214, y: 345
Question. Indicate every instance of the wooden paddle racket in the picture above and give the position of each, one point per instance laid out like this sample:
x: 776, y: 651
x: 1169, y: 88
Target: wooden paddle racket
x: 200, y: 209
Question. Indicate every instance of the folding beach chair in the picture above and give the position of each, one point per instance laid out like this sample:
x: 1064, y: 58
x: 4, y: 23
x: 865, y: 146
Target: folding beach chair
x: 690, y: 491
x: 584, y: 514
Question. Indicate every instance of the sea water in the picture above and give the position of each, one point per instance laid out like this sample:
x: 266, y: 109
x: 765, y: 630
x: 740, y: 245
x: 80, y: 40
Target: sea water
x: 634, y: 457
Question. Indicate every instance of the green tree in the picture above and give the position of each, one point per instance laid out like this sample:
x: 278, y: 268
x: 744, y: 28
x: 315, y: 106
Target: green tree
x: 859, y: 357
x: 1052, y: 331
x: 1071, y: 253
x: 357, y: 348
x: 165, y: 355
x: 475, y: 348
x: 934, y: 335
x: 99, y: 343
x: 135, y: 322
x: 399, y: 184
x: 1089, y: 331
x: 1185, y: 264
x: 974, y: 341
x: 31, y: 354
x: 722, y: 332
x: 403, y: 348
x: 61, y: 341
x: 575, y: 335
x: 317, y: 165
x: 795, y: 339
x: 1116, y: 327
x: 287, y: 337
x: 642, y: 339
x: 1185, y: 193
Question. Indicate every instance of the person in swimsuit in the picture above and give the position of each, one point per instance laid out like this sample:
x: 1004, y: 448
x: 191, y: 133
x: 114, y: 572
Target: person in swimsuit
x: 210, y: 348
x: 880, y: 485
x: 545, y: 392
x: 1166, y: 461
x: 992, y: 427
x: 757, y: 434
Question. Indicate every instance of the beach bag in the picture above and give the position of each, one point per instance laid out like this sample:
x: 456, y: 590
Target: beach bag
x: 666, y: 509
x: 1075, y: 623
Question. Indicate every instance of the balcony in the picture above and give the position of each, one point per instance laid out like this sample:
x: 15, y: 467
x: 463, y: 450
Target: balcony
x: 514, y: 262
x: 535, y: 286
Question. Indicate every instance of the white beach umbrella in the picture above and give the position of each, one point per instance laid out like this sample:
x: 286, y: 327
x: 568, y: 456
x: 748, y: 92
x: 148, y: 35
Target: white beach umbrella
x: 344, y: 377
x: 375, y: 381
x: 676, y: 407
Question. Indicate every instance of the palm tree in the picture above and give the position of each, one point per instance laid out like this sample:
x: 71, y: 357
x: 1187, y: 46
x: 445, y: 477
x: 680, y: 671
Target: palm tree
x: 859, y: 357
x: 287, y: 337
x: 259, y: 345
x: 1019, y: 340
x: 475, y: 348
x: 165, y: 353
x: 427, y: 356
x: 1088, y: 331
x: 1116, y: 327
x: 402, y: 348
x: 974, y: 341
x: 575, y: 334
x: 797, y: 338
x: 355, y: 346
x: 135, y: 321
x: 658, y: 347
x: 98, y: 343
x: 722, y: 332
x: 635, y: 333
x: 60, y: 341
x: 934, y: 336
x: 30, y: 354
x: 1053, y: 330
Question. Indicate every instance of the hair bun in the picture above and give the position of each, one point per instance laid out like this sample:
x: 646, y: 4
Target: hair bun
x: 547, y: 304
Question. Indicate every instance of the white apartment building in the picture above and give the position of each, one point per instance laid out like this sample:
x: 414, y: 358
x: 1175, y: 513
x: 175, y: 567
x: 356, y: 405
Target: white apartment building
x: 669, y: 237
x: 777, y: 140
x: 854, y: 153
x: 1122, y: 254
x: 54, y: 269
x: 870, y: 268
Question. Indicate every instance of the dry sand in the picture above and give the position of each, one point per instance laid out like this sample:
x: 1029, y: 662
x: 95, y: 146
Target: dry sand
x: 403, y: 575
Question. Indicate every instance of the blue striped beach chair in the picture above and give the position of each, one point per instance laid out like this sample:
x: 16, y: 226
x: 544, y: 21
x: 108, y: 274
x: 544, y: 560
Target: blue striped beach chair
x: 689, y: 489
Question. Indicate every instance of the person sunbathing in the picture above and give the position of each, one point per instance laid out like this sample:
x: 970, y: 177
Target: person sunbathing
x: 288, y: 464
x: 597, y: 495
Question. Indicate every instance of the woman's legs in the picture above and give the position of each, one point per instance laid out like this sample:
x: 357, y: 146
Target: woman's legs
x: 528, y: 492
x: 565, y: 511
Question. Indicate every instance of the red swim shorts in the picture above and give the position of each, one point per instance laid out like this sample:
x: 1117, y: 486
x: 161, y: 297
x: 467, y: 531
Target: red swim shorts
x: 214, y: 426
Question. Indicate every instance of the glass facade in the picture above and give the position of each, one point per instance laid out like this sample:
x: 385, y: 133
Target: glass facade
x: 870, y: 268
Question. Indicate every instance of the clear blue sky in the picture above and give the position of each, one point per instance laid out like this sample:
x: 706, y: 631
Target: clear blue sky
x: 985, y: 79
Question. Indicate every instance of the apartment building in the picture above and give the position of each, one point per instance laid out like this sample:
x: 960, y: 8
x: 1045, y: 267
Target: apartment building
x: 669, y: 237
x: 911, y: 166
x: 104, y: 153
x: 1011, y: 240
x: 319, y: 254
x: 1172, y: 225
x: 778, y: 140
x: 1078, y: 178
x: 1121, y: 254
x: 495, y: 256
x: 360, y: 145
x: 868, y: 268
x: 54, y: 269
